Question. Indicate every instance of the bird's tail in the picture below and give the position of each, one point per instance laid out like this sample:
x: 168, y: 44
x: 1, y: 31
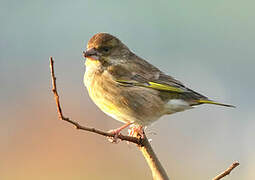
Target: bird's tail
x: 215, y: 103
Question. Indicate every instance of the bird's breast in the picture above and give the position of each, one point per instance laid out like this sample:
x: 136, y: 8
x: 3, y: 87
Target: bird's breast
x: 127, y: 104
x: 104, y: 92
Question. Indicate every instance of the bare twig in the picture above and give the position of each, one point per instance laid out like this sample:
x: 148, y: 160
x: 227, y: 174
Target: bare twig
x: 158, y: 172
x: 227, y: 171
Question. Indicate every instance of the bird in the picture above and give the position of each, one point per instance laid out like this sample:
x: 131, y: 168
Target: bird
x: 130, y: 89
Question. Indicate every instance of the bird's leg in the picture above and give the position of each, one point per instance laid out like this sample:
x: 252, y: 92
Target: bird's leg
x: 117, y: 131
x: 136, y: 130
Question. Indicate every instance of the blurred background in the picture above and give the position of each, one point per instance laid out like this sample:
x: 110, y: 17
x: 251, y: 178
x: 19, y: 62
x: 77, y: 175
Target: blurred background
x: 208, y: 45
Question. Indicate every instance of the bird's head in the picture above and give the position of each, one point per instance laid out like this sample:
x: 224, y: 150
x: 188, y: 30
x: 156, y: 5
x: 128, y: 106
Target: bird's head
x: 106, y: 49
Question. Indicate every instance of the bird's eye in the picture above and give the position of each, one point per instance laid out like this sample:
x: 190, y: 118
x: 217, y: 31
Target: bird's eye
x: 105, y: 49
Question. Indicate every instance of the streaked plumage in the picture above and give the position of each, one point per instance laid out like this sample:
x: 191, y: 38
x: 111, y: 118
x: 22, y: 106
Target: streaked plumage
x: 129, y: 88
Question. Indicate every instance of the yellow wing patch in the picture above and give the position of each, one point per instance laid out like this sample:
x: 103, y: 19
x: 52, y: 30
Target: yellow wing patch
x: 153, y: 85
x: 164, y: 87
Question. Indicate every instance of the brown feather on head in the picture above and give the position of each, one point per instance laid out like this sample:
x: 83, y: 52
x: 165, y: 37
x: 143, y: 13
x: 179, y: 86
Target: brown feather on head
x: 105, y: 48
x: 102, y: 39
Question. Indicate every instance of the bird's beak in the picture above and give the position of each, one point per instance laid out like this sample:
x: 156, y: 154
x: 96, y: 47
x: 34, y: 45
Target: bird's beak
x: 91, y: 54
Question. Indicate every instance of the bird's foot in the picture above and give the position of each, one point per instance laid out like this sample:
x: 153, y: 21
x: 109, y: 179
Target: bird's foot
x: 136, y: 131
x: 116, y: 133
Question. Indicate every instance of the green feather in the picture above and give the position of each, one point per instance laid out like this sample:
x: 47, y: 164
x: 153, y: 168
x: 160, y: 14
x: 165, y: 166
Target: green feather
x: 153, y: 85
x: 164, y: 87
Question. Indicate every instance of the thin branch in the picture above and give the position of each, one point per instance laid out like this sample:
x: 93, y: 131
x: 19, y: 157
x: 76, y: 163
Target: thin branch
x: 158, y: 172
x: 227, y: 171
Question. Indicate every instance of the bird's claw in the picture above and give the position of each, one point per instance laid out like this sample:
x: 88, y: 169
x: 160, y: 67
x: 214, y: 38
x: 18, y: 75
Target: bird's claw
x: 116, y: 132
x: 136, y: 131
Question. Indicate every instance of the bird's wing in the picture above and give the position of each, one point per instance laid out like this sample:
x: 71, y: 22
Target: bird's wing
x: 143, y: 74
